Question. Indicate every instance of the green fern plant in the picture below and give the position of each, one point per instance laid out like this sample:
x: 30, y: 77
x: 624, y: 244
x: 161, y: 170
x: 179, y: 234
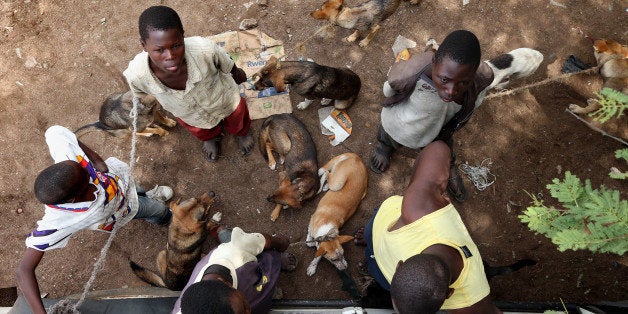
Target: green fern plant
x: 612, y: 103
x: 593, y: 219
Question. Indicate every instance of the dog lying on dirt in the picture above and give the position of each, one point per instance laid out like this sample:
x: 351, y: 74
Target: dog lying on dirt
x: 517, y: 63
x: 366, y: 17
x: 311, y: 81
x: 288, y: 137
x: 612, y: 59
x: 344, y: 178
x: 186, y: 234
x: 115, y: 116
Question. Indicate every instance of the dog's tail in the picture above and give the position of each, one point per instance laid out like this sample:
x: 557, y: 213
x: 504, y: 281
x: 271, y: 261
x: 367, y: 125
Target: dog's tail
x: 505, y: 270
x: 99, y: 125
x: 147, y: 275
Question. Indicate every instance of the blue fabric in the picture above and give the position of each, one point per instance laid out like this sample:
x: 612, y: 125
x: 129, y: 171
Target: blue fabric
x: 371, y: 264
x: 151, y: 210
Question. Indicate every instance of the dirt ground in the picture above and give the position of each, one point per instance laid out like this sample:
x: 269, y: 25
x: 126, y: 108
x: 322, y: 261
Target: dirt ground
x: 60, y: 59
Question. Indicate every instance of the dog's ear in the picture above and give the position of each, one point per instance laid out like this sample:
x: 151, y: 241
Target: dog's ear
x: 344, y: 238
x: 149, y: 101
x: 320, y: 251
x: 600, y: 45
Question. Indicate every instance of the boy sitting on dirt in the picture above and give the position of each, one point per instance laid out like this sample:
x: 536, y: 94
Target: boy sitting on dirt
x: 418, y: 248
x: 238, y: 276
x: 81, y: 191
x: 429, y: 97
x: 193, y: 78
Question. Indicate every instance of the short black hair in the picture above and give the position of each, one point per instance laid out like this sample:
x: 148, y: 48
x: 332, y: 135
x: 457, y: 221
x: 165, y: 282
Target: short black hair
x: 159, y: 17
x: 420, y: 284
x: 207, y: 296
x: 57, y: 183
x: 461, y: 46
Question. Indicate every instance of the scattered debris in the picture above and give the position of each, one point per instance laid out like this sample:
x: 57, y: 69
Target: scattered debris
x: 552, y: 2
x: 19, y: 210
x: 30, y: 62
x: 18, y: 52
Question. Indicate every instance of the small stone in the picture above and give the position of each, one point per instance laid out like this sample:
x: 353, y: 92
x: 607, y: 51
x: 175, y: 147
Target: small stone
x: 18, y: 52
x: 248, y: 24
x: 30, y: 62
x: 19, y: 210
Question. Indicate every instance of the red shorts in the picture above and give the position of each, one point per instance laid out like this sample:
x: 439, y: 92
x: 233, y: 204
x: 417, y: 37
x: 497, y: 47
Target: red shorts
x: 237, y: 123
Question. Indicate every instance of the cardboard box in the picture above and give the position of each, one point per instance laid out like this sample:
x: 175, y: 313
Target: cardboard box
x: 251, y: 50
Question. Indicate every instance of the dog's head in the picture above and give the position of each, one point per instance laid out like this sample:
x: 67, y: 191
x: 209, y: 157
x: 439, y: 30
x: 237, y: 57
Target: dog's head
x: 269, y: 76
x: 293, y: 192
x: 147, y: 103
x: 604, y: 47
x: 191, y: 213
x: 332, y: 251
x: 328, y: 11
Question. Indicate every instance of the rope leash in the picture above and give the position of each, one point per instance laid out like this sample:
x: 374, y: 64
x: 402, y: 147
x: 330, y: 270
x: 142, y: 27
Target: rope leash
x: 65, y: 305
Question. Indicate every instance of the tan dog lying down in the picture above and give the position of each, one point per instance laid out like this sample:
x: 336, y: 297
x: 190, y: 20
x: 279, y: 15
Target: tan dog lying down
x: 345, y: 180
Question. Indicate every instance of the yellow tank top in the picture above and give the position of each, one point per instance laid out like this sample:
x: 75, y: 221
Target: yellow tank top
x: 443, y: 226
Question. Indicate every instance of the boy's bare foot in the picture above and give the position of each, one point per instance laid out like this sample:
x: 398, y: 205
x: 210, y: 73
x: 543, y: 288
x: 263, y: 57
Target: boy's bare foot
x: 211, y: 149
x: 245, y: 143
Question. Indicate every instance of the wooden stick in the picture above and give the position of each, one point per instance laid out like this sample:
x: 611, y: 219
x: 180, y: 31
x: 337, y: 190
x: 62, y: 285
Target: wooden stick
x: 594, y: 127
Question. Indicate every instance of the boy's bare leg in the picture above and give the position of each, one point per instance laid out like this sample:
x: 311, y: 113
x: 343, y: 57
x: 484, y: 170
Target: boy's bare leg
x: 211, y: 148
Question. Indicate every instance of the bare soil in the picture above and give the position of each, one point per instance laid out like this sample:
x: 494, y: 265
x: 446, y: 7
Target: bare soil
x: 60, y: 59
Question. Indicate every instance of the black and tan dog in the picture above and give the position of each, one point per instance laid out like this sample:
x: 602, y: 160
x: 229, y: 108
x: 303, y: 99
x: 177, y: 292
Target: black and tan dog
x: 287, y: 136
x: 312, y: 81
x: 186, y: 234
x: 115, y: 116
x: 366, y: 17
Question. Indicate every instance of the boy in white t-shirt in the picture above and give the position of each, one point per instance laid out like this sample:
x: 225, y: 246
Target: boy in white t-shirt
x: 81, y: 191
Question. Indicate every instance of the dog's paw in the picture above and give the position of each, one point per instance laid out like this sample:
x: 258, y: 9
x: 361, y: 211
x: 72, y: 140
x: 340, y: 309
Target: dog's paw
x: 272, y: 166
x: 302, y: 105
x: 170, y: 123
x: 325, y: 101
x: 311, y: 270
x: 364, y: 42
x: 217, y: 217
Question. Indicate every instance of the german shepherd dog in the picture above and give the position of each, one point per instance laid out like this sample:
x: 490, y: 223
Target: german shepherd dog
x: 115, y: 116
x: 311, y: 80
x: 366, y: 17
x: 285, y: 135
x: 186, y: 234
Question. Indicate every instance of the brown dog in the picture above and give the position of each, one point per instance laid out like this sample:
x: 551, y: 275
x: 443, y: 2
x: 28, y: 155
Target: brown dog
x: 366, y: 17
x: 115, y: 116
x: 612, y: 58
x: 288, y: 137
x: 345, y: 180
x: 186, y: 234
x: 311, y: 80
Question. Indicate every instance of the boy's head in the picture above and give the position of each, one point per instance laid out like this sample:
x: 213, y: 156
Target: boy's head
x: 61, y: 182
x: 159, y: 18
x: 420, y: 284
x: 161, y: 35
x: 213, y: 296
x: 455, y: 63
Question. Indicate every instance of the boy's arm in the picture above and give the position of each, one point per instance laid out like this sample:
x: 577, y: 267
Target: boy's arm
x: 27, y: 281
x: 97, y: 161
x: 238, y: 75
x: 276, y: 242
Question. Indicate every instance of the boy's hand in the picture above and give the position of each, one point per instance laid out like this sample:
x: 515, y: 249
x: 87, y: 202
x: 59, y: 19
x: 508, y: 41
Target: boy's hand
x: 238, y: 75
x: 278, y: 242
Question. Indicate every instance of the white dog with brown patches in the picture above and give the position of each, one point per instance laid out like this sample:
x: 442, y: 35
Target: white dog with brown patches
x: 345, y: 180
